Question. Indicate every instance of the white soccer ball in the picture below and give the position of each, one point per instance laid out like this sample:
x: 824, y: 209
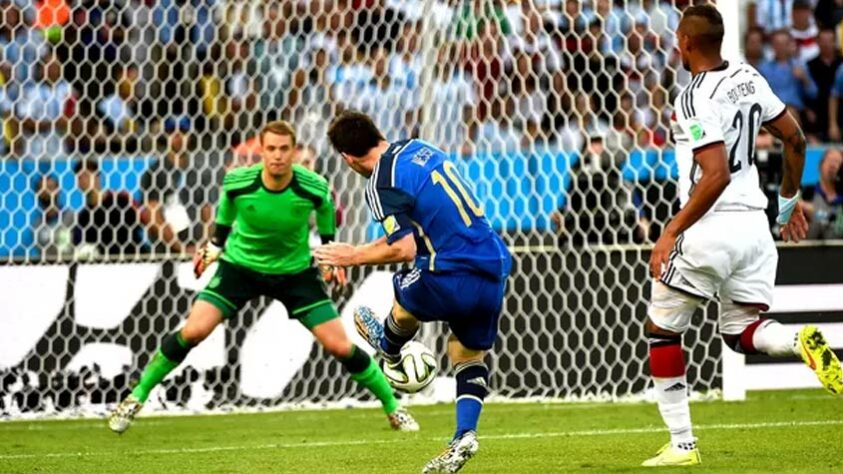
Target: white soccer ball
x: 414, y: 371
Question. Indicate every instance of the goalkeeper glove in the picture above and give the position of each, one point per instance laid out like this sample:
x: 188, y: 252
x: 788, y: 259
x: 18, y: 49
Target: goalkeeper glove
x: 204, y: 257
x: 786, y: 207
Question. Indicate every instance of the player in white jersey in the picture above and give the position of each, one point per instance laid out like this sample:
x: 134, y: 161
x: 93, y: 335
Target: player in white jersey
x: 719, y: 247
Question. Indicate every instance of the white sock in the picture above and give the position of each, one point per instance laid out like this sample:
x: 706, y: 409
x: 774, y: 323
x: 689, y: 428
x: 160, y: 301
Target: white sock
x: 772, y: 338
x: 672, y: 397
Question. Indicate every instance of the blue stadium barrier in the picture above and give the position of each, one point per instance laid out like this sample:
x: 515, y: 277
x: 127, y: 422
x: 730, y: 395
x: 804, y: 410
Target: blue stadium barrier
x: 519, y: 191
x: 811, y: 175
x: 646, y: 165
x: 18, y: 207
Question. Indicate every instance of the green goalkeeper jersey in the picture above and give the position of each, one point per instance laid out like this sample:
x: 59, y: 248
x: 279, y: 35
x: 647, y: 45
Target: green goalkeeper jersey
x: 270, y: 229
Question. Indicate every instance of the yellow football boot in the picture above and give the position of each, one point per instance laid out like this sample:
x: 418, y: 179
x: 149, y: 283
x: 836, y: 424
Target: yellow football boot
x: 821, y: 359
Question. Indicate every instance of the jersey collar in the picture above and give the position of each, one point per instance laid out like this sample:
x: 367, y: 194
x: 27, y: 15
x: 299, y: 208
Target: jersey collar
x: 288, y: 186
x: 722, y: 67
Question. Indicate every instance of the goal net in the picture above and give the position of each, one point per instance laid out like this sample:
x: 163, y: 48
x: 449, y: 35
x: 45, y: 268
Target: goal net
x: 120, y: 118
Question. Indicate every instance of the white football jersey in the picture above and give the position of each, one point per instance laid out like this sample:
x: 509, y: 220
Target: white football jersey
x: 727, y: 105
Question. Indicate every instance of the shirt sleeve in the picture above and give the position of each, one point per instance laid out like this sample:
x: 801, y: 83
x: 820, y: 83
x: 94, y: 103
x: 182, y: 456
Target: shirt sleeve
x: 326, y: 217
x: 391, y: 207
x: 698, y: 118
x: 226, y: 211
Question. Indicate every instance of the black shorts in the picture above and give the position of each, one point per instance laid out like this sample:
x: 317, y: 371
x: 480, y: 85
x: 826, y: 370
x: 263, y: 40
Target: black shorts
x: 303, y: 294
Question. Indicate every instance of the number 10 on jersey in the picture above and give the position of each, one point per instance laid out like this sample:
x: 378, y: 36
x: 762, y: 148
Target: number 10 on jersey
x: 450, y: 181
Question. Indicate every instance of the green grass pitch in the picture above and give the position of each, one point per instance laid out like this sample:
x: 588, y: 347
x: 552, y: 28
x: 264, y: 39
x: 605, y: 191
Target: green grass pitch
x: 793, y: 431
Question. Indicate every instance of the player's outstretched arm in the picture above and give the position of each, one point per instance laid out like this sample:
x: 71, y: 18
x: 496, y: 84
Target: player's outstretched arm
x: 715, y: 177
x: 210, y: 251
x: 794, y: 225
x: 374, y: 253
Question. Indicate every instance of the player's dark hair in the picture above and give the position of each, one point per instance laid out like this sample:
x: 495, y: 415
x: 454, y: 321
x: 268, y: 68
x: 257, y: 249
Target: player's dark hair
x: 279, y: 127
x: 712, y: 35
x: 354, y: 133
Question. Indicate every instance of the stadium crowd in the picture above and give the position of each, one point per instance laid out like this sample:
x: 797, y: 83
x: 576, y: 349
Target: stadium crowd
x: 191, y: 81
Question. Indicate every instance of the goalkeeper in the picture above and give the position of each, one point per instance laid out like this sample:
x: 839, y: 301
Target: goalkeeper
x: 261, y: 240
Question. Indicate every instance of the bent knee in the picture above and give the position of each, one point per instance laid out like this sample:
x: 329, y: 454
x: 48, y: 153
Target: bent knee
x: 203, y: 319
x: 339, y: 347
x: 670, y: 310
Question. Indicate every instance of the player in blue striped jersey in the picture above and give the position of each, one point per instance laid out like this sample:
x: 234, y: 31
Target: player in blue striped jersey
x: 429, y: 216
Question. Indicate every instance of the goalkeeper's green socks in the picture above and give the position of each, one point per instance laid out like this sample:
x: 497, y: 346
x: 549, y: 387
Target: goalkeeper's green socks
x: 172, y: 352
x: 366, y: 372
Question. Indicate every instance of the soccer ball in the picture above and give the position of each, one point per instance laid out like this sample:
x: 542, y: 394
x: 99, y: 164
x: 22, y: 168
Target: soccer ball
x: 414, y: 371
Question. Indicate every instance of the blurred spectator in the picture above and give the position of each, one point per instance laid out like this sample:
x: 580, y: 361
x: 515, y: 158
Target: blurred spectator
x: 530, y: 99
x: 452, y: 107
x: 572, y: 22
x: 310, y: 99
x: 376, y: 25
x: 108, y: 221
x: 487, y: 59
x: 306, y: 156
x: 627, y: 130
x: 804, y: 30
x: 178, y: 192
x: 615, y: 25
x: 473, y: 16
x: 824, y: 202
x: 45, y: 112
x: 391, y: 105
x: 52, y: 226
x: 593, y: 70
x: 835, y: 118
x: 641, y: 59
x: 787, y: 75
x: 496, y: 133
x: 661, y: 18
x: 118, y: 108
x: 535, y: 41
x: 350, y: 77
x: 276, y: 55
x: 589, y: 123
x: 829, y: 13
x: 753, y: 51
x: 822, y: 70
x: 599, y: 208
x: 22, y: 47
x: 90, y: 50
x: 772, y: 15
x: 185, y: 22
x: 406, y: 64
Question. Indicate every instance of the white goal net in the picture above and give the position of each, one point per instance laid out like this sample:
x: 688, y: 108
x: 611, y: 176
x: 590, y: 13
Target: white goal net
x: 120, y: 118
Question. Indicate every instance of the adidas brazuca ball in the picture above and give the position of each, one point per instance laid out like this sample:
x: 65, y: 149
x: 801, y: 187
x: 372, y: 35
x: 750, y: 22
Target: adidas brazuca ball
x: 414, y: 371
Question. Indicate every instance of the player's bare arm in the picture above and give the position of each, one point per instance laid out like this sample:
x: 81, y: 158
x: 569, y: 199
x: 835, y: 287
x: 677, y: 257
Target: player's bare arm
x: 715, y: 177
x: 794, y: 226
x: 374, y: 253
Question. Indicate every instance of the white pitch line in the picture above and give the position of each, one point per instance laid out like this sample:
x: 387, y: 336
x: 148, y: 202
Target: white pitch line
x: 324, y: 444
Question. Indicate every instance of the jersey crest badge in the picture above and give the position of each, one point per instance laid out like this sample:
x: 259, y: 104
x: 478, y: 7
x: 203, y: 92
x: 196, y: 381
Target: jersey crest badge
x: 697, y: 132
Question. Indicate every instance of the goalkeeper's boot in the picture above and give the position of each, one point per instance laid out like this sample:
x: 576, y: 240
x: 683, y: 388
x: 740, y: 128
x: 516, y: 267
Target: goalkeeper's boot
x: 369, y: 327
x: 454, y: 458
x: 402, y: 420
x: 122, y: 416
x: 670, y: 455
x: 821, y: 359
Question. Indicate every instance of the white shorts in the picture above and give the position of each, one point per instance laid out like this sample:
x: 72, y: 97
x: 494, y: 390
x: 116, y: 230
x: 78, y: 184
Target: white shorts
x: 726, y: 256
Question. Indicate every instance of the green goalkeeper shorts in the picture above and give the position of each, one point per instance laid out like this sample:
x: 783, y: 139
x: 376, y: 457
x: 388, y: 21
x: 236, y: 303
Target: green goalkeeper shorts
x: 303, y: 293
